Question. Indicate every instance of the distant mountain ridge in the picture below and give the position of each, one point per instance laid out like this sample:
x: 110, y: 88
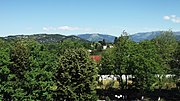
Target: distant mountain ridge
x: 149, y: 35
x: 95, y: 37
x: 137, y: 37
x: 45, y: 38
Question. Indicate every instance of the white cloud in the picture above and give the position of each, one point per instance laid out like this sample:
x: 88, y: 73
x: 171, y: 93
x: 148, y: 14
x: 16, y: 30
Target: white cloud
x: 68, y: 28
x: 45, y: 29
x: 65, y: 28
x: 49, y: 28
x: 176, y: 20
x: 172, y: 18
x: 166, y: 17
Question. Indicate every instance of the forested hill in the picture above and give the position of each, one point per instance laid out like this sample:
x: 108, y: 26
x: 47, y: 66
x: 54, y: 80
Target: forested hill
x: 150, y: 35
x: 45, y: 38
x: 137, y: 37
x: 95, y: 37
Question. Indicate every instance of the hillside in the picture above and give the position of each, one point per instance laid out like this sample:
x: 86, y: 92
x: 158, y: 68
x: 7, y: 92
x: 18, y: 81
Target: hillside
x: 135, y: 37
x: 149, y: 35
x: 95, y: 37
x: 45, y: 38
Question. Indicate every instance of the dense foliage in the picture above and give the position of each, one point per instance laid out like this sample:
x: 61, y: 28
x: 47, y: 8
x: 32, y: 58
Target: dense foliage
x: 146, y: 62
x: 76, y: 76
x: 30, y: 70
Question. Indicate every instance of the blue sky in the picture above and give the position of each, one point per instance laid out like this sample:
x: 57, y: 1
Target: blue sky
x: 69, y: 17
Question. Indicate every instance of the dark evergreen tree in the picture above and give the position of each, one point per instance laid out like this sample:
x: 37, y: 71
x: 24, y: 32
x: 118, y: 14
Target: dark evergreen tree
x: 175, y: 63
x: 103, y: 42
x: 76, y: 76
x: 115, y: 40
x: 39, y: 79
x: 5, y: 89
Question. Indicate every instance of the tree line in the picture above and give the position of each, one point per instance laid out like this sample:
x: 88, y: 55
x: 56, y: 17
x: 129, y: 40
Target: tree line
x: 148, y: 61
x: 30, y: 70
x: 56, y: 71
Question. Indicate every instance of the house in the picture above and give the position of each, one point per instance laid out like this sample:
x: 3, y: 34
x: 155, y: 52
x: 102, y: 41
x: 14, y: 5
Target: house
x: 105, y: 47
x: 96, y: 58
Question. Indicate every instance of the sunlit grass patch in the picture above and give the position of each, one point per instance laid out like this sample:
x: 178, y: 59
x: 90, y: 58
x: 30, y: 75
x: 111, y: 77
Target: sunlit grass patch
x: 106, y: 84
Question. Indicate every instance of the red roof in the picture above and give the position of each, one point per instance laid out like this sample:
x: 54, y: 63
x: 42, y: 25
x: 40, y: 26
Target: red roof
x: 96, y: 58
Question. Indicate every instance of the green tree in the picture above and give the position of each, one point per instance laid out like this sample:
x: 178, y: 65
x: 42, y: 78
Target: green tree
x: 107, y: 62
x: 5, y: 90
x: 98, y: 46
x: 166, y: 45
x: 19, y: 55
x: 39, y: 79
x: 115, y: 40
x: 103, y: 42
x: 31, y: 73
x: 68, y: 44
x: 145, y: 65
x: 76, y: 76
x: 140, y: 60
x: 175, y: 63
x: 123, y: 48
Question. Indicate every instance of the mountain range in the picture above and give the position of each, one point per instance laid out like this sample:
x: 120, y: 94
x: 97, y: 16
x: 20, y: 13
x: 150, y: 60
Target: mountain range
x: 135, y: 37
x: 45, y: 38
x: 150, y: 35
x: 95, y: 37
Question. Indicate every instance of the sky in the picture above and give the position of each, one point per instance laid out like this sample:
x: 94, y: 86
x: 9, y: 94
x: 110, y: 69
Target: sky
x: 72, y: 17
